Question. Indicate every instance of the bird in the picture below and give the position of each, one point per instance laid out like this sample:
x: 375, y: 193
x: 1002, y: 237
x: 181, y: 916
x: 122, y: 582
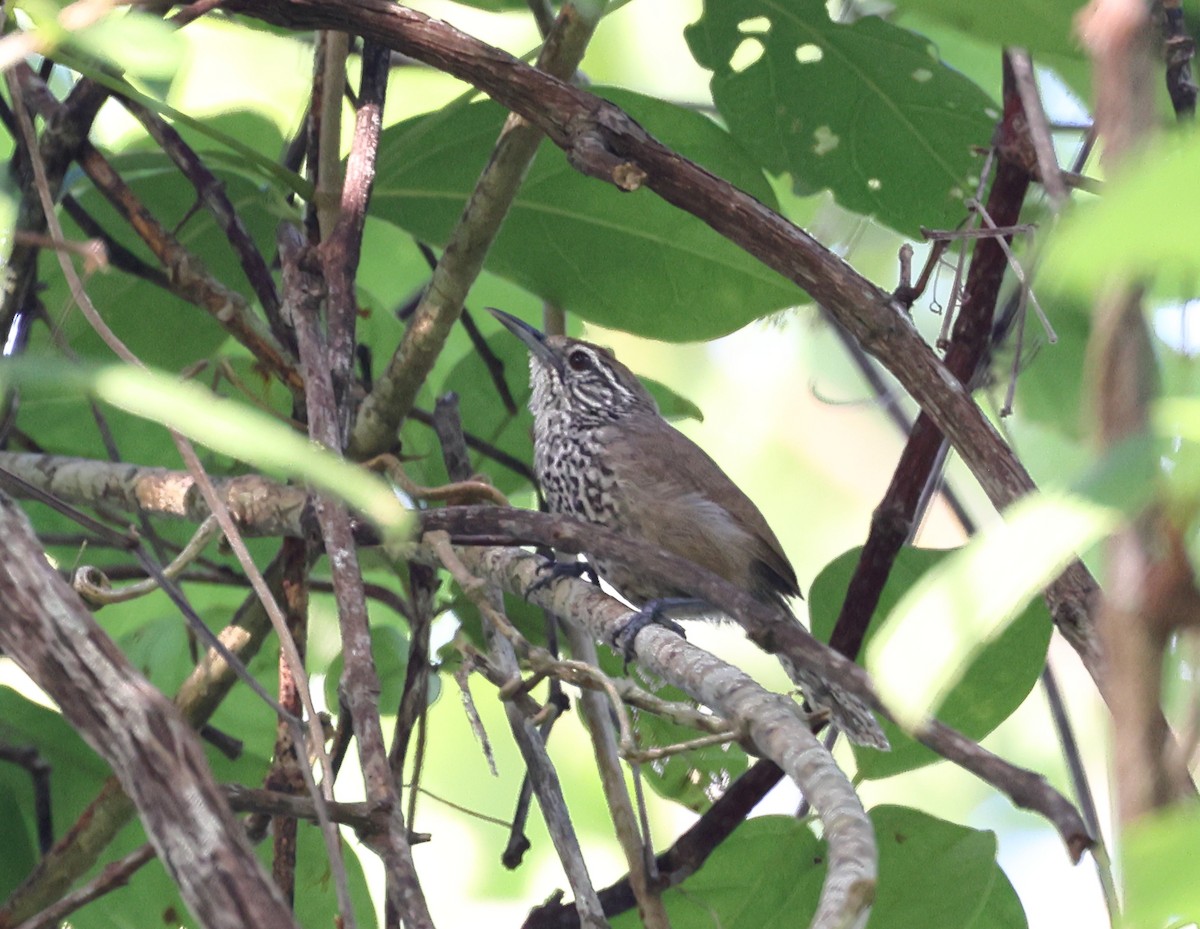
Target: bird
x: 603, y: 452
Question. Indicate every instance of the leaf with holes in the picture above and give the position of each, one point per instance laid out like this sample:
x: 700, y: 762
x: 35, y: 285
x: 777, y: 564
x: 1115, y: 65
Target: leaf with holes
x: 866, y: 110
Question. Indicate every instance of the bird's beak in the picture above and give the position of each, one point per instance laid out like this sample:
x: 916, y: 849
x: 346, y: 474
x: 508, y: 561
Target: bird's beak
x: 534, y: 339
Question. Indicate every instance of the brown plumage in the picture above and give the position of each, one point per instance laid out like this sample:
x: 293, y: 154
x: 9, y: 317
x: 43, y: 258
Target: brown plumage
x: 603, y: 452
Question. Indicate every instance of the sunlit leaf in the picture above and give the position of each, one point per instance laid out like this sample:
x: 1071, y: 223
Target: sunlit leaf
x: 222, y: 425
x: 949, y: 614
x: 1158, y: 861
x: 1137, y: 231
x: 995, y: 682
x: 1039, y: 25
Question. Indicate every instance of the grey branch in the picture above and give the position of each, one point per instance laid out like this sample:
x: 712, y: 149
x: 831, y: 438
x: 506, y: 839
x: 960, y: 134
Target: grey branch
x: 156, y: 756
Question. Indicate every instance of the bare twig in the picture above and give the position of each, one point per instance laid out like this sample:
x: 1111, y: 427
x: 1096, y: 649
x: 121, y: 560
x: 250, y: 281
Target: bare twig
x: 1039, y: 127
x: 504, y: 641
x: 115, y: 874
x: 91, y: 583
x: 634, y: 843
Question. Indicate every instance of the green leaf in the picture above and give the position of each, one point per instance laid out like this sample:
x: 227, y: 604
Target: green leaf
x: 947, y: 616
x: 932, y: 873
x: 1038, y: 25
x: 223, y: 425
x: 1002, y: 909
x: 136, y: 43
x: 739, y: 886
x: 625, y: 261
x: 997, y: 681
x: 1137, y: 231
x: 1043, y: 394
x: 1158, y: 859
x: 670, y: 404
x: 389, y: 646
x: 1178, y: 417
x: 818, y: 99
x: 269, y: 168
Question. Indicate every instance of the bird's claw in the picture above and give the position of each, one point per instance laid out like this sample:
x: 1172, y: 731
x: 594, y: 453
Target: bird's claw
x: 551, y: 570
x: 652, y: 614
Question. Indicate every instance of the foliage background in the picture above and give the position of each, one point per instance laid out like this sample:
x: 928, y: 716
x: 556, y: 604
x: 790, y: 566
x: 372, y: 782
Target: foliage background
x: 783, y: 412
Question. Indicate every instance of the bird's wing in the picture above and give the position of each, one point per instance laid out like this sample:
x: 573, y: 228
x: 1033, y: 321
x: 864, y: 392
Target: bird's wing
x: 687, y: 470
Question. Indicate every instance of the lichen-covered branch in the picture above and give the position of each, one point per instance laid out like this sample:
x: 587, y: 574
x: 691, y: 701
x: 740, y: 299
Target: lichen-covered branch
x: 156, y: 756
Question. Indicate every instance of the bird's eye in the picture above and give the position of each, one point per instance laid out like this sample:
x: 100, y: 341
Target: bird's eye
x: 579, y: 360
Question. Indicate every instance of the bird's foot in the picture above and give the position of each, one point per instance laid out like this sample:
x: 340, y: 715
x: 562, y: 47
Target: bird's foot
x: 551, y: 570
x: 652, y: 614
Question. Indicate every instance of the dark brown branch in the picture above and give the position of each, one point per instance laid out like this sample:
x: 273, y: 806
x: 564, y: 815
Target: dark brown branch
x: 185, y: 271
x: 285, y: 774
x: 340, y: 253
x: 362, y: 817
x: 1179, y: 48
x: 360, y: 681
x: 487, y: 449
x: 893, y: 519
x: 211, y: 191
x: 119, y: 256
x: 64, y: 134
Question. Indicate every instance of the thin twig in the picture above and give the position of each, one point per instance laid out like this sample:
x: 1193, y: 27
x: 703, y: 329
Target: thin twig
x: 1049, y: 171
x: 91, y: 583
x: 114, y: 875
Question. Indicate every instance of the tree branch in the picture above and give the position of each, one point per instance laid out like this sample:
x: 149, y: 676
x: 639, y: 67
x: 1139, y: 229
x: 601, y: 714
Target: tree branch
x: 155, y: 755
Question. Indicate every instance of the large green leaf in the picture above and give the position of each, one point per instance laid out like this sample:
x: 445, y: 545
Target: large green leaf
x: 626, y: 261
x: 945, y: 619
x: 1038, y: 25
x: 994, y: 683
x: 768, y: 875
x: 866, y: 110
x: 1158, y: 861
x: 1137, y: 232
